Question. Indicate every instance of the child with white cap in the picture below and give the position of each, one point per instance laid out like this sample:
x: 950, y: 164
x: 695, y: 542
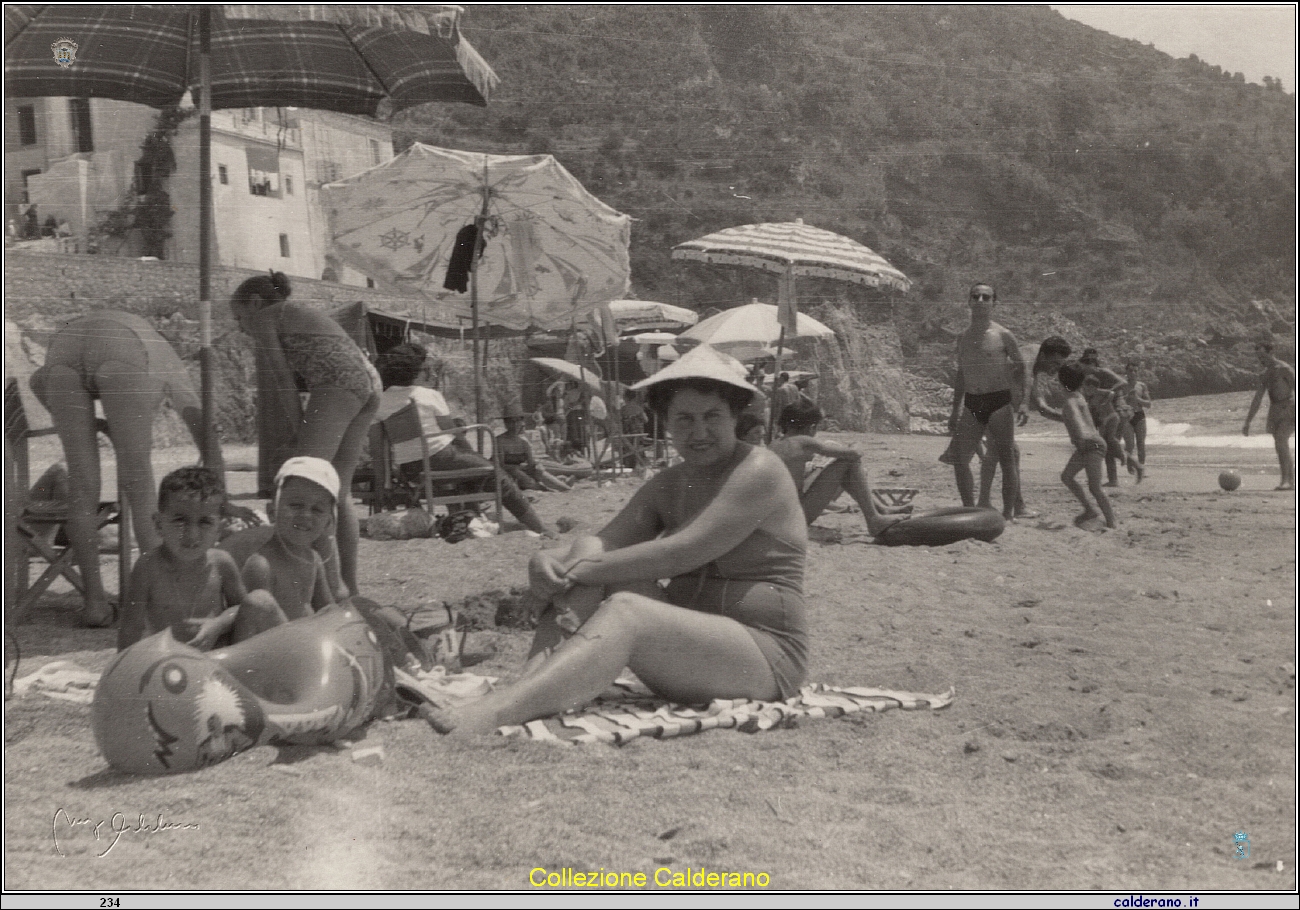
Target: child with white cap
x: 285, y: 577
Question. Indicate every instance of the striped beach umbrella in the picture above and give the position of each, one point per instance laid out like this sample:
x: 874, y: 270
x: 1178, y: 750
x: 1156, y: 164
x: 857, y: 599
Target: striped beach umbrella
x: 792, y: 249
x: 795, y: 249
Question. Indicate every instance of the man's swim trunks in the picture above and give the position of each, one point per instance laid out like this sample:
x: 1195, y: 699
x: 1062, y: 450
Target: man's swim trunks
x: 1281, y: 416
x: 983, y: 406
x: 1092, y: 446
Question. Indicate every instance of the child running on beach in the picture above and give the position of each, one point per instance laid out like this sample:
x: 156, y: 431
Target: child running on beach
x: 1089, y: 448
x: 185, y: 582
x: 798, y: 444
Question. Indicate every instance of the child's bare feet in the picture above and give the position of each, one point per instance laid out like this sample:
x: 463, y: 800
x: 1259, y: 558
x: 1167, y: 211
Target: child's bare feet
x: 1085, y: 517
x: 1140, y: 470
x: 1111, y: 483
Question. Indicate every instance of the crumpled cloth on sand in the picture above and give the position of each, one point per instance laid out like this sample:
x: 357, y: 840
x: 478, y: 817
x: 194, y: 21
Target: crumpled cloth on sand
x: 628, y: 710
x: 61, y: 679
x: 443, y: 688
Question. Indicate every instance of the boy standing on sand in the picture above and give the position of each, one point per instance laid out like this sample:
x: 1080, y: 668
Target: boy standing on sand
x: 1089, y: 448
x: 1278, y: 382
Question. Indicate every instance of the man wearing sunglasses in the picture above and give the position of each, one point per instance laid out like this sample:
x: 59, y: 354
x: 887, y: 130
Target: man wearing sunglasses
x: 989, y: 397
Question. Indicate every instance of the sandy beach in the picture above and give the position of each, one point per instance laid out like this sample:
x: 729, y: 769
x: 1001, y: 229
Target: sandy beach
x: 1125, y: 704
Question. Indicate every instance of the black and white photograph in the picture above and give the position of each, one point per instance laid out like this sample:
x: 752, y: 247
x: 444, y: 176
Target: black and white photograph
x: 650, y: 449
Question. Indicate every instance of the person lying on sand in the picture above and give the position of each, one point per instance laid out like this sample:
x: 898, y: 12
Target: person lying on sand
x: 845, y: 474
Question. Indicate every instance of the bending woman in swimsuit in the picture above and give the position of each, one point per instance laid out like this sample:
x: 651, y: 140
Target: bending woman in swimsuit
x: 725, y: 525
x: 121, y: 360
x: 300, y: 349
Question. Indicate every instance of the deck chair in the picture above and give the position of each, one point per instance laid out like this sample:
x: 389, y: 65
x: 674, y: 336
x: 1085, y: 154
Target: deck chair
x: 452, y: 489
x: 34, y: 526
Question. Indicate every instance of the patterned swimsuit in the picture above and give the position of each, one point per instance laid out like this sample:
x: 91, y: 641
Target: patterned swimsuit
x: 329, y: 360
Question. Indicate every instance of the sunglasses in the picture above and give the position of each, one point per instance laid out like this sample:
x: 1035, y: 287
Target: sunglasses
x: 988, y: 297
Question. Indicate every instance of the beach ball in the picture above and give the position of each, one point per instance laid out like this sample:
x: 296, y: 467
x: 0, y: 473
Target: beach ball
x: 1230, y: 480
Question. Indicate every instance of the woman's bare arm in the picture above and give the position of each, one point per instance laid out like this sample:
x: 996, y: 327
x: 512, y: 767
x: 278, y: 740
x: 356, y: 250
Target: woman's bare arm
x: 742, y: 504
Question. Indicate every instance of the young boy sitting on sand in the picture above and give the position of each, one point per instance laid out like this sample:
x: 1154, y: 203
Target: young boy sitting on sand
x: 798, y: 424
x: 185, y: 581
x: 285, y: 576
x: 1089, y: 448
x: 287, y: 567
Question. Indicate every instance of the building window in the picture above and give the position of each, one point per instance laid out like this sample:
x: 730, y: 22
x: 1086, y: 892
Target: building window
x: 83, y: 138
x: 288, y: 185
x: 376, y: 154
x: 284, y: 245
x: 27, y: 124
x: 263, y: 171
x: 370, y: 282
x: 26, y: 174
x: 223, y: 175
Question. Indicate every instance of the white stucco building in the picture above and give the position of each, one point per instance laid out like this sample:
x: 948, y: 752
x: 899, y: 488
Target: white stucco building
x: 76, y: 160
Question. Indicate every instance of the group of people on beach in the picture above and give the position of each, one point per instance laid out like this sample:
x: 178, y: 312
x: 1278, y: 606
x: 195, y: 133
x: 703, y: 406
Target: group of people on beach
x: 696, y: 585
x: 1103, y: 412
x: 993, y: 390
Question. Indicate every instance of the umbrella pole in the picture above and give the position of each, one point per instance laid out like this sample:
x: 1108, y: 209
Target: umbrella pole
x: 206, y: 358
x: 479, y: 223
x: 776, y: 373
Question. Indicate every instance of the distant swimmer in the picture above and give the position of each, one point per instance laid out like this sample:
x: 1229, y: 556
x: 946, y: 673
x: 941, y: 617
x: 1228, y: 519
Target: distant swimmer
x: 1278, y: 382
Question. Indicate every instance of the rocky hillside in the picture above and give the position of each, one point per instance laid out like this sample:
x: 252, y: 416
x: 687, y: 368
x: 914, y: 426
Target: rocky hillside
x: 1144, y: 203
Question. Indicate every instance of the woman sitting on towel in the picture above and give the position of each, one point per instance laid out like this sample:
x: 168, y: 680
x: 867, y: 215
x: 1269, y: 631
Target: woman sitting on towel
x: 724, y: 527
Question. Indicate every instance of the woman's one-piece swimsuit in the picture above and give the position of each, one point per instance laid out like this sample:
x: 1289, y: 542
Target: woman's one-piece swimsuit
x: 760, y: 585
x: 108, y: 336
x: 332, y: 360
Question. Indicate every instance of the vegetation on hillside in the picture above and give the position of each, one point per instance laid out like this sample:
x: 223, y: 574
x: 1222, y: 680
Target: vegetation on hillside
x: 1087, y: 175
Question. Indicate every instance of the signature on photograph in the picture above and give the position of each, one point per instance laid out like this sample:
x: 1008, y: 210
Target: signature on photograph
x: 110, y: 830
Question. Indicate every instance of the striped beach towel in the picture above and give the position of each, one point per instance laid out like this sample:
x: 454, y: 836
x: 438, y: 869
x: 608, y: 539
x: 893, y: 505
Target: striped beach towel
x: 628, y: 710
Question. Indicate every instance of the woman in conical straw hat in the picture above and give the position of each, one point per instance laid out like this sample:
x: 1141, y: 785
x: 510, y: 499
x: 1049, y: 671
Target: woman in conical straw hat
x: 724, y: 525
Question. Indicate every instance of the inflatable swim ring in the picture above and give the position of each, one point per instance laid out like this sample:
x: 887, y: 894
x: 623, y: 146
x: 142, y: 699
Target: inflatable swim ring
x: 944, y: 526
x: 163, y: 707
x: 578, y: 469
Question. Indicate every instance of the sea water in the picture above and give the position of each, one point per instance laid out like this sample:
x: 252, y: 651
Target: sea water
x: 1191, y: 436
x: 1185, y: 434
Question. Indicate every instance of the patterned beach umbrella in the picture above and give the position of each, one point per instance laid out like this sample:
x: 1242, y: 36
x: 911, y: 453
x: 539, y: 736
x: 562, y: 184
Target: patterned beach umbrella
x: 550, y: 251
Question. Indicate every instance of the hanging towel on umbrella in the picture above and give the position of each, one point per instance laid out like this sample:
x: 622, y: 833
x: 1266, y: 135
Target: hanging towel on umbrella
x: 462, y: 260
